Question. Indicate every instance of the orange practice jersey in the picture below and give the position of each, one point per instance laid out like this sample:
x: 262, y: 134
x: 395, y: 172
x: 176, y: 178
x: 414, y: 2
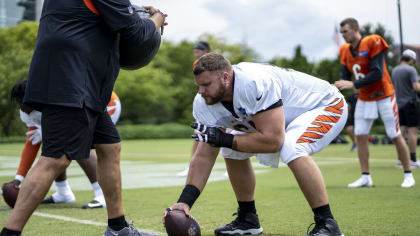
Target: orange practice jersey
x: 359, y: 66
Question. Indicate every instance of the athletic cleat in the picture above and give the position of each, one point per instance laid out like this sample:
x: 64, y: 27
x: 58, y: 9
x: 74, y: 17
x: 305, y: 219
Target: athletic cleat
x: 398, y: 165
x: 245, y: 223
x: 415, y: 164
x: 127, y: 231
x: 56, y: 198
x: 94, y: 204
x: 363, y: 181
x: 324, y: 227
x: 408, y: 182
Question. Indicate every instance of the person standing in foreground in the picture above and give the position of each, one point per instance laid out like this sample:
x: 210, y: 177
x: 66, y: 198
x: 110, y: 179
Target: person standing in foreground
x: 273, y: 112
x: 200, y: 49
x: 406, y: 83
x: 364, y: 58
x: 32, y: 120
x: 71, y: 78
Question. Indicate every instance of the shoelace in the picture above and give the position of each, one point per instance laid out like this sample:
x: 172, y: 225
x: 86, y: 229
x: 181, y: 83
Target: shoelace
x: 132, y: 229
x: 315, y: 229
x: 307, y: 231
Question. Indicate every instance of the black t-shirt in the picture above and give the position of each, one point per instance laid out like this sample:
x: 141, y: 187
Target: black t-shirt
x: 76, y: 58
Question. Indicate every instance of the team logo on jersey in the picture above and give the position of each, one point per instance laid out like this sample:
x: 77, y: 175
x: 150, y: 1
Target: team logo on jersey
x: 131, y: 10
x: 363, y: 54
x: 242, y: 110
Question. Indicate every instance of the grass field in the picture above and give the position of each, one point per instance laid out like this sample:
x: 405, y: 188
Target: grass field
x: 150, y: 185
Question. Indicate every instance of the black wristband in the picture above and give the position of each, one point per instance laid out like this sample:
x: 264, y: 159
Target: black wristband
x: 227, y: 140
x: 189, y: 195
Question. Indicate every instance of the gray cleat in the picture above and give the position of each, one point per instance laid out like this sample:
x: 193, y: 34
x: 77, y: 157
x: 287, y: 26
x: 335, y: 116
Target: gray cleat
x: 127, y: 231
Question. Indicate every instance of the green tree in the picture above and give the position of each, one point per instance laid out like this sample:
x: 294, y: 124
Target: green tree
x: 146, y: 96
x: 16, y: 49
x: 298, y: 62
x: 391, y: 57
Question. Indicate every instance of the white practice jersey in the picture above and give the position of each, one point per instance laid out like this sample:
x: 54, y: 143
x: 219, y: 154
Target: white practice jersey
x: 257, y: 87
x: 32, y: 119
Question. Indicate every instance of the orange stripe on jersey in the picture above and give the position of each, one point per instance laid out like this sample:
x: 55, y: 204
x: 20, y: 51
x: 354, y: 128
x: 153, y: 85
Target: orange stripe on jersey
x: 312, y: 135
x: 326, y: 118
x: 320, y: 127
x: 396, y: 115
x: 91, y: 7
x: 336, y: 108
x: 304, y: 140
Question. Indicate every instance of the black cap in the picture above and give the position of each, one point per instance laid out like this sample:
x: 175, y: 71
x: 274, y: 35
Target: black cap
x: 202, y: 46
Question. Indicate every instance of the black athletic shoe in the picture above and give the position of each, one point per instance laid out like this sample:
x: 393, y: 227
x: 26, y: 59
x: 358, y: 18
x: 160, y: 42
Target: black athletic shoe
x: 325, y: 227
x: 48, y: 200
x: 245, y: 223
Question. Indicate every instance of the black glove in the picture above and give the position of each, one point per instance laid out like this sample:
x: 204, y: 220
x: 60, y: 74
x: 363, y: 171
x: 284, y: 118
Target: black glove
x: 212, y: 135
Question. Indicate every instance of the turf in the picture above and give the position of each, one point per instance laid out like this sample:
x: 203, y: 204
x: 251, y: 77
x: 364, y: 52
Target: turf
x: 386, y: 209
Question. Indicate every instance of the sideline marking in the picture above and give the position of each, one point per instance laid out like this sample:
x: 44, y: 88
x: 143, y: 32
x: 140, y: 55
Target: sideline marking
x: 87, y: 222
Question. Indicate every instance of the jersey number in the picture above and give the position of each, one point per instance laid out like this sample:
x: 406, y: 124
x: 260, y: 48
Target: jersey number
x: 358, y: 75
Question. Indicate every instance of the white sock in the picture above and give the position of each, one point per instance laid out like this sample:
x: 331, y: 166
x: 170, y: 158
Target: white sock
x: 97, y: 190
x: 62, y: 187
x: 20, y: 178
x: 408, y: 175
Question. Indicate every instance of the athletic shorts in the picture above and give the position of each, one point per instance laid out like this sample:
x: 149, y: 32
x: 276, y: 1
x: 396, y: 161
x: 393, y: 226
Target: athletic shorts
x: 410, y: 114
x: 73, y: 131
x: 307, y: 134
x: 367, y: 112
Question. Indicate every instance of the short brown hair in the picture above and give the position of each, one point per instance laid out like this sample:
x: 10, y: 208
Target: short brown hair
x: 212, y: 62
x: 351, y: 22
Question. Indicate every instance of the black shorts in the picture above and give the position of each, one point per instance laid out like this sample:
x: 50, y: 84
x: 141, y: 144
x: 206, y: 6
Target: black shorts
x: 409, y: 114
x: 73, y: 131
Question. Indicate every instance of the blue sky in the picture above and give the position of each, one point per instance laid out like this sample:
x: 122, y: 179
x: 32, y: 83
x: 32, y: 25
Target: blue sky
x: 275, y: 27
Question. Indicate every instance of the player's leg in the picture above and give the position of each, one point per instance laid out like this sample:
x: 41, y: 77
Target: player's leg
x: 106, y: 141
x: 63, y: 193
x: 389, y: 113
x: 27, y: 158
x: 307, y: 134
x: 362, y: 128
x: 89, y: 167
x: 412, y: 145
x: 242, y: 179
x: 412, y: 122
x: 109, y: 177
x: 34, y: 188
x: 350, y: 132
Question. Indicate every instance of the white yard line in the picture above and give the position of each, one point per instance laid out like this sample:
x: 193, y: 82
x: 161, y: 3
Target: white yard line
x: 86, y: 222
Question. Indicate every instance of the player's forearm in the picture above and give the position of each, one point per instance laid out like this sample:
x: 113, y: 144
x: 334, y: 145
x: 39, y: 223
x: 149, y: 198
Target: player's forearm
x: 200, y: 169
x: 258, y: 142
x: 375, y: 74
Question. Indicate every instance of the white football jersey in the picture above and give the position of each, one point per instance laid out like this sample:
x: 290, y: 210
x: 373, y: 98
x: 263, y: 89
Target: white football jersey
x: 256, y: 88
x: 32, y: 119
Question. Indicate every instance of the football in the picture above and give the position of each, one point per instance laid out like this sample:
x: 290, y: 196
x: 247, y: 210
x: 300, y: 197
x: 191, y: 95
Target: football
x: 10, y: 193
x: 178, y: 224
x: 138, y: 55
